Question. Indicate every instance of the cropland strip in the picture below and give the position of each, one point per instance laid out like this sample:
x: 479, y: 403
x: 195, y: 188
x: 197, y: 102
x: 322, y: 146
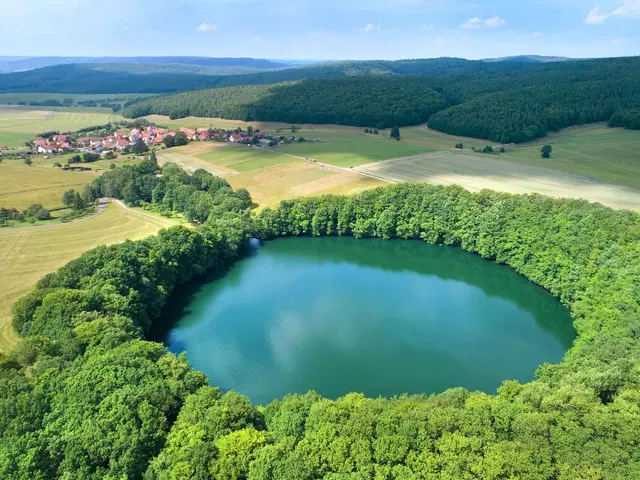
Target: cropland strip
x: 475, y: 172
x: 27, y: 254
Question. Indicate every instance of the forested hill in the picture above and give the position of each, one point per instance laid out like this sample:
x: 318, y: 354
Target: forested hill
x: 505, y: 105
x: 500, y: 101
x: 89, y: 78
x: 519, y: 106
x: 361, y: 101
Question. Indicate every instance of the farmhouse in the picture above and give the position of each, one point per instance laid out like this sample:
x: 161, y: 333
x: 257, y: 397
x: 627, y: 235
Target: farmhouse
x: 235, y: 138
x: 264, y: 142
x: 122, y: 143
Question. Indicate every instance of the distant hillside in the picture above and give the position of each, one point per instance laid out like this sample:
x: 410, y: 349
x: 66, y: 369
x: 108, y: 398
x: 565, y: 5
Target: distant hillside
x: 382, y: 101
x: 528, y: 59
x: 89, y: 78
x: 208, y: 64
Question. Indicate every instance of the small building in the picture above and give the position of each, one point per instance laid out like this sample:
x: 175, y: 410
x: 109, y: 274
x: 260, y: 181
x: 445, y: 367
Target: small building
x: 264, y: 142
x: 122, y: 143
x: 235, y: 138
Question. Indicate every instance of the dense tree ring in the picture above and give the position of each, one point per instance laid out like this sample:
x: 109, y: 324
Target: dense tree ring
x: 88, y: 378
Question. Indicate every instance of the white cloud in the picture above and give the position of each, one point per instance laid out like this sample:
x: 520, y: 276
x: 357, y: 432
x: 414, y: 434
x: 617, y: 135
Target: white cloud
x: 629, y: 9
x: 315, y: 34
x: 370, y: 27
x: 595, y: 16
x: 425, y: 28
x: 477, y: 22
x: 537, y: 34
x: 494, y: 22
x: 205, y: 27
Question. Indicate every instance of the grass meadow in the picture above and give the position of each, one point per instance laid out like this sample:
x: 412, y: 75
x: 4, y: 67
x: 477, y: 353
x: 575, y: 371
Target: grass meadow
x: 29, y: 253
x: 22, y: 185
x: 20, y: 124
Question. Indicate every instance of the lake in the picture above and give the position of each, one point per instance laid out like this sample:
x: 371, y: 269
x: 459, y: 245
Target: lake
x: 339, y: 315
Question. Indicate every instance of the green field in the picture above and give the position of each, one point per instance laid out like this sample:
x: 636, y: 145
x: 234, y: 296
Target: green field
x: 20, y: 124
x: 244, y: 159
x: 27, y: 254
x: 594, y: 151
x: 269, y: 175
x: 22, y: 185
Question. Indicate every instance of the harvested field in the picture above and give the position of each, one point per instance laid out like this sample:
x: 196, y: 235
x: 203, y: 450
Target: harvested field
x: 475, y: 172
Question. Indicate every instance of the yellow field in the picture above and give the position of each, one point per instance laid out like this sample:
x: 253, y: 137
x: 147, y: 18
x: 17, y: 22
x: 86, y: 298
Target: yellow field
x: 27, y: 254
x: 22, y: 185
x: 270, y: 176
x: 20, y: 124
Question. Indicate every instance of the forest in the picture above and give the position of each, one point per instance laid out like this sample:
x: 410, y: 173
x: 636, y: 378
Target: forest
x: 361, y: 101
x: 86, y: 396
x: 512, y: 103
x: 629, y: 119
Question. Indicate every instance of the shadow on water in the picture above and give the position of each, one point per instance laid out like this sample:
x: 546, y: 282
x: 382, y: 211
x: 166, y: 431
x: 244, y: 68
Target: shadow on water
x: 178, y: 303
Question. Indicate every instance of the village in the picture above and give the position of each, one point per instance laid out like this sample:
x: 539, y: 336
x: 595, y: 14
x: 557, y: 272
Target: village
x: 140, y: 139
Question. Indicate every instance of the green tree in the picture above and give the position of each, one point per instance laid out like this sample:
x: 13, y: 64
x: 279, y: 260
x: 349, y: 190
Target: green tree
x: 42, y: 214
x: 546, y: 151
x: 68, y: 197
x: 180, y: 139
x: 168, y: 141
x: 139, y: 147
x: 395, y: 133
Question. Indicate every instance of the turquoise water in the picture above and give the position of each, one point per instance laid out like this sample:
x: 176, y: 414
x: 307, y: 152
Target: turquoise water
x: 337, y: 315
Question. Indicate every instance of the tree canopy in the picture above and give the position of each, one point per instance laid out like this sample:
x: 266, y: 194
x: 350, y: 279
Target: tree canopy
x: 360, y: 101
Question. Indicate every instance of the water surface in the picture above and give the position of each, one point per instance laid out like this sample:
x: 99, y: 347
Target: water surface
x: 338, y: 315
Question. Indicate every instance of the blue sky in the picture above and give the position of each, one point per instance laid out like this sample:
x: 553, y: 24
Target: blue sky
x: 326, y: 29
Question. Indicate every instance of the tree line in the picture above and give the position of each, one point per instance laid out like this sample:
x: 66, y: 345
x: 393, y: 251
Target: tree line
x: 86, y: 396
x: 629, y: 119
x: 360, y: 101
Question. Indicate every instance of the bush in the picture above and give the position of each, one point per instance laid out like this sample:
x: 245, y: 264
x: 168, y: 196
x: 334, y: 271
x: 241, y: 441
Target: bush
x: 42, y: 214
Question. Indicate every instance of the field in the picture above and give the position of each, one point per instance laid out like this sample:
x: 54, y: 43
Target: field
x: 20, y: 124
x: 475, y: 172
x: 595, y: 151
x: 27, y: 254
x: 22, y: 185
x: 269, y: 175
